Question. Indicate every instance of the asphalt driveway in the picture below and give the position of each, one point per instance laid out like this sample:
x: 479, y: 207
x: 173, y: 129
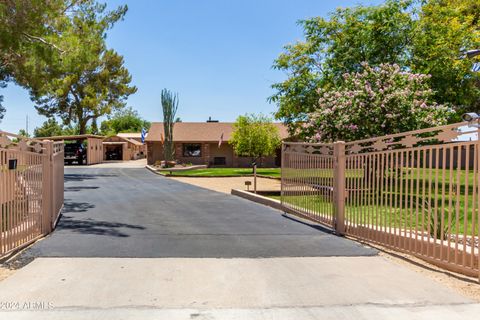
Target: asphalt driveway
x: 308, y: 273
x: 131, y: 212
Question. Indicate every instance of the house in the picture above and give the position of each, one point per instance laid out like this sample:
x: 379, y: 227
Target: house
x: 120, y: 147
x: 203, y: 143
x: 137, y: 136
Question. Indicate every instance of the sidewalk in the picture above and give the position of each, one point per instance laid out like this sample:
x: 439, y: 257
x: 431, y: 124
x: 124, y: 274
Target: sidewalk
x: 184, y: 288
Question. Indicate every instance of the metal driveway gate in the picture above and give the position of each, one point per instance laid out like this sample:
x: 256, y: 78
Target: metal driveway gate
x: 416, y: 192
x: 31, y: 189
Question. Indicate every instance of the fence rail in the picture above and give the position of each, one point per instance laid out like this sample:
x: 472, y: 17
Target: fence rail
x: 31, y: 189
x: 416, y: 192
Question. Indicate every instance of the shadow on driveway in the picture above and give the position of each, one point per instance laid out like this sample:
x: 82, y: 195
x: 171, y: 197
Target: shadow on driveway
x: 81, y: 177
x: 311, y: 225
x: 76, y: 207
x: 89, y: 225
x: 95, y: 227
x: 78, y: 188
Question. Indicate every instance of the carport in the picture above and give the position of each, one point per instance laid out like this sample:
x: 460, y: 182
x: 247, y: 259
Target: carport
x: 120, y: 148
x: 114, y: 150
x: 93, y: 145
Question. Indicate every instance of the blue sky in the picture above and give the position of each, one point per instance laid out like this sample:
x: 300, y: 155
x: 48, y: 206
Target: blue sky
x: 217, y: 54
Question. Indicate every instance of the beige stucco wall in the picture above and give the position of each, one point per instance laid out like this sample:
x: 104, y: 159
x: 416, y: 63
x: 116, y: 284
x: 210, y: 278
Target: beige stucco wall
x: 94, y: 151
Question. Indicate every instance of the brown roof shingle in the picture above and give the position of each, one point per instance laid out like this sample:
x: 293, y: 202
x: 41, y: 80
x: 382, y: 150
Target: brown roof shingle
x: 200, y: 131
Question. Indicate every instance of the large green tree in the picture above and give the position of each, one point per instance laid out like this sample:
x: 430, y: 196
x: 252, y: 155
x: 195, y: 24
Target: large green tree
x: 333, y: 47
x: 255, y: 136
x: 29, y: 32
x: 445, y: 28
x: 88, y: 80
x: 126, y: 120
x: 419, y: 36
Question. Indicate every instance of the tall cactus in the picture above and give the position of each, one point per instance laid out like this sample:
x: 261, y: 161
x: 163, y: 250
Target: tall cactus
x: 169, y: 106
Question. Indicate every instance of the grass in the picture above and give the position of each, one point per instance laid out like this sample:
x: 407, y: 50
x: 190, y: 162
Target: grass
x: 271, y: 172
x: 322, y: 173
x: 225, y: 172
x: 448, y: 195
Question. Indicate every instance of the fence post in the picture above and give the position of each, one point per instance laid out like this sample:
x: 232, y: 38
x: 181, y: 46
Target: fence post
x: 339, y: 186
x: 477, y: 159
x: 47, y: 176
x: 282, y: 172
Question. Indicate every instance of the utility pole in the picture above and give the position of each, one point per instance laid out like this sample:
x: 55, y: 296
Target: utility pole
x: 26, y: 125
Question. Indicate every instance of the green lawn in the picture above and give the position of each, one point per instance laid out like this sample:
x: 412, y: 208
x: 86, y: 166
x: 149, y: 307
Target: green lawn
x: 225, y: 172
x: 448, y: 194
x: 321, y: 173
x: 271, y: 172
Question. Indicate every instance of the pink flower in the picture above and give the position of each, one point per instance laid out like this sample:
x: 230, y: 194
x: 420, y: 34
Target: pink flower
x: 352, y: 127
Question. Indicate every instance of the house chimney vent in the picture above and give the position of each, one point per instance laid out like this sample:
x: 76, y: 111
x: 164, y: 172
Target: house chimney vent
x: 210, y: 120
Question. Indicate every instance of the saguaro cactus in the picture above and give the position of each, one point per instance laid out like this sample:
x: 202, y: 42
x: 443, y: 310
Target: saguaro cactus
x: 169, y: 106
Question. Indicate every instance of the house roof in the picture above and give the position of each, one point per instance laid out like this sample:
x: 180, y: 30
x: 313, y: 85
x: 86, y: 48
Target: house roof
x: 132, y: 141
x: 130, y: 135
x: 72, y: 137
x: 200, y: 131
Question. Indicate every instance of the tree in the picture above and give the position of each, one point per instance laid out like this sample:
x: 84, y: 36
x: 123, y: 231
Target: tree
x: 255, y: 136
x: 423, y: 37
x: 49, y: 128
x: 34, y: 35
x: 443, y: 30
x: 376, y: 101
x: 2, y: 109
x: 334, y: 46
x: 86, y: 93
x: 23, y: 133
x: 126, y: 120
x: 169, y: 107
x: 88, y: 80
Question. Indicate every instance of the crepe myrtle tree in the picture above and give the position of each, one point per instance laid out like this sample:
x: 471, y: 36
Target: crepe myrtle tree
x: 374, y: 102
x: 255, y: 136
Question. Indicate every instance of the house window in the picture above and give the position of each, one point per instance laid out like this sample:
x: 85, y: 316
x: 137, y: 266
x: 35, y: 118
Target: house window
x: 192, y: 150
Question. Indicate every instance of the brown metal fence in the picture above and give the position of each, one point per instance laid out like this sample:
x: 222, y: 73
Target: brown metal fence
x: 416, y: 192
x: 31, y: 189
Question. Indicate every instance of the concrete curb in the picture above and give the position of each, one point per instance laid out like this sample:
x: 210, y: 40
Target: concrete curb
x: 257, y: 198
x: 226, y: 176
x: 152, y: 169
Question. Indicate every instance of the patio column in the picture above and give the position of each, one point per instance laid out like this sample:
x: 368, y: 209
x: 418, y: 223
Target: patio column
x: 206, y: 153
x: 178, y: 151
x: 234, y: 159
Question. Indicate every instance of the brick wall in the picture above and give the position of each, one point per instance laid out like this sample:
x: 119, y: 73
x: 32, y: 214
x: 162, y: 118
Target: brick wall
x: 209, y: 152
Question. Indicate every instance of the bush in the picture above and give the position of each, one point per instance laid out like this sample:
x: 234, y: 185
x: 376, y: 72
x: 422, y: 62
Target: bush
x: 374, y: 102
